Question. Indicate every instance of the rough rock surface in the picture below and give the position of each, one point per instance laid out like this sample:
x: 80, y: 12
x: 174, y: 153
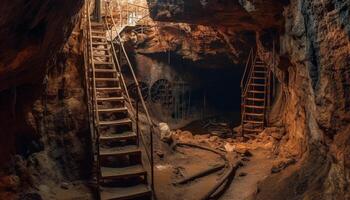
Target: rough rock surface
x: 316, y: 111
x: 31, y: 34
x: 52, y: 146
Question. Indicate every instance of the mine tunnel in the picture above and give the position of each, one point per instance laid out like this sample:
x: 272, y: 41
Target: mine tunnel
x: 174, y: 100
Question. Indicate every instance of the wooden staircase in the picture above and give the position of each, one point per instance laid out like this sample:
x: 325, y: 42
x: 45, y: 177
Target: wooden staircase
x: 118, y: 155
x: 255, y: 95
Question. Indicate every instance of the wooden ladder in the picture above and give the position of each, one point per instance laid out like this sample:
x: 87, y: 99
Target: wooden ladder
x: 255, y: 95
x: 120, y: 173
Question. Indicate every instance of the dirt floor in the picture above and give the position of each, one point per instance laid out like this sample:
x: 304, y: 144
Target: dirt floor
x: 255, y: 154
x: 255, y: 169
x: 185, y: 162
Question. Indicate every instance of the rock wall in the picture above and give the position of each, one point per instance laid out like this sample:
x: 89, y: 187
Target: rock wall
x: 44, y: 130
x: 315, y: 88
x: 31, y: 35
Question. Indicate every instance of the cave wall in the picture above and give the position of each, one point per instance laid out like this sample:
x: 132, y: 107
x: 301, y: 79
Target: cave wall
x: 56, y: 149
x: 316, y: 115
x: 31, y: 34
x: 43, y: 127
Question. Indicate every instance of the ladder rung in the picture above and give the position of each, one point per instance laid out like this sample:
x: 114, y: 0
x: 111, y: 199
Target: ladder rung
x: 260, y: 65
x: 258, y: 78
x: 109, y: 88
x: 102, y: 63
x: 103, y: 56
x: 98, y: 32
x: 256, y: 92
x: 122, y: 109
x: 98, y: 37
x: 100, y: 49
x: 258, y: 84
x: 260, y: 72
x: 99, y: 43
x: 255, y: 99
x: 254, y: 114
x: 107, y: 79
x: 111, y: 99
x: 106, y: 70
x: 96, y: 24
x: 252, y: 130
x: 253, y: 122
x: 253, y: 106
x: 115, y: 122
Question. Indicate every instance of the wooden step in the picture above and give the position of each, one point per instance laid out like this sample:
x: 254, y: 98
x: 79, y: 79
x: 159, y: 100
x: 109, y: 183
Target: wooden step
x: 120, y: 151
x: 256, y: 92
x: 115, y: 122
x: 110, y: 99
x: 125, y: 193
x: 109, y: 88
x: 254, y: 106
x: 123, y: 172
x: 119, y: 136
x: 122, y: 109
x: 253, y: 122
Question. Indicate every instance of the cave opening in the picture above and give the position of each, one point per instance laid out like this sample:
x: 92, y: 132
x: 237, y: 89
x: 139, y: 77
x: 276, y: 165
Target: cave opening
x: 198, y: 90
